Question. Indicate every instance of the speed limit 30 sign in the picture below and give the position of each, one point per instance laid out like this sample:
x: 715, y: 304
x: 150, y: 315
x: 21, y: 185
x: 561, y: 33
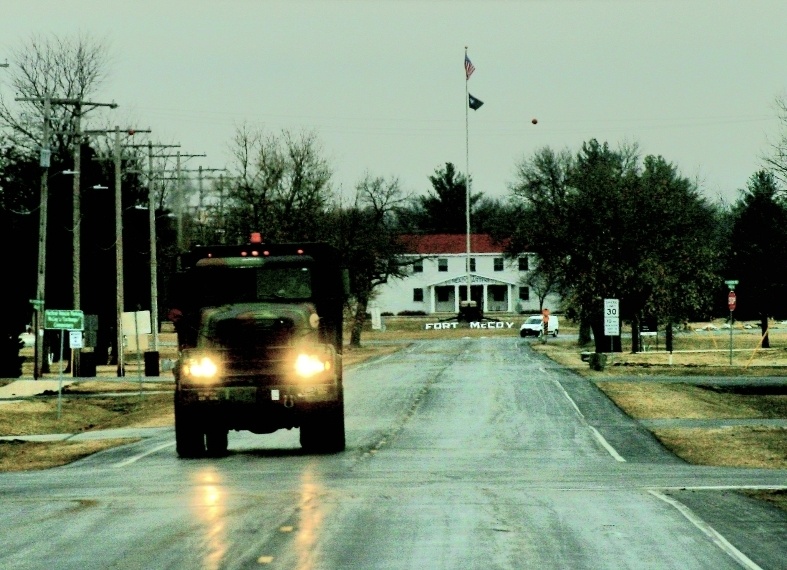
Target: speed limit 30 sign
x: 611, y: 317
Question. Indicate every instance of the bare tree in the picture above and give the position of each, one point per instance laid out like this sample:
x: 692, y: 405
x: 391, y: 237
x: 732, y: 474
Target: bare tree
x: 542, y: 283
x: 777, y: 159
x: 64, y: 67
x: 279, y: 185
x: 367, y: 235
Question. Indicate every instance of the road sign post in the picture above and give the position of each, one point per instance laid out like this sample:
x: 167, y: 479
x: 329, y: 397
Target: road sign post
x: 611, y: 322
x: 732, y: 301
x: 63, y: 320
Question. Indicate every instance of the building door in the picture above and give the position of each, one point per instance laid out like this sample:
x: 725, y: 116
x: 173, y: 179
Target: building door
x: 444, y: 299
x: 476, y: 294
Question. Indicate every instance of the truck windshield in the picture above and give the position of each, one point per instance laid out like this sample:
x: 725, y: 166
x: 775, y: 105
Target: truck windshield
x: 224, y: 285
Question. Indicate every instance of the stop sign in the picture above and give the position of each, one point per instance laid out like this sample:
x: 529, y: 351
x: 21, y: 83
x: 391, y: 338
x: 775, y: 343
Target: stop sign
x: 731, y: 299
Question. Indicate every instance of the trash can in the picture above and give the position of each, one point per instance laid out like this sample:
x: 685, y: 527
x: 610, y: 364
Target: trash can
x: 86, y: 365
x: 151, y: 363
x: 597, y: 361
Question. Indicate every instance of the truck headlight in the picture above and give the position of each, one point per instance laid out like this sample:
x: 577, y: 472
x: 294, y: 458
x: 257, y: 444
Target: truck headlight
x: 308, y: 365
x: 202, y: 369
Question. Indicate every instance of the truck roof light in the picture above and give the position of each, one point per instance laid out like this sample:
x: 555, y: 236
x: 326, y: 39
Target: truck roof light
x: 300, y: 252
x: 255, y: 253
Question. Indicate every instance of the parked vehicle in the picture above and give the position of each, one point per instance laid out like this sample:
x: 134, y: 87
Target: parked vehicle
x: 533, y: 324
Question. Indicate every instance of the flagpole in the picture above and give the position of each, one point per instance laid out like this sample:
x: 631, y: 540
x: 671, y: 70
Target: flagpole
x: 467, y: 183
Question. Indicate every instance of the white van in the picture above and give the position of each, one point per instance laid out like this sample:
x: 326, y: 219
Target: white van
x: 532, y: 326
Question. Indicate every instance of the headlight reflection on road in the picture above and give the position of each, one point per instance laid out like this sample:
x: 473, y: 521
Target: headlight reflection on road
x: 209, y: 506
x: 311, y: 519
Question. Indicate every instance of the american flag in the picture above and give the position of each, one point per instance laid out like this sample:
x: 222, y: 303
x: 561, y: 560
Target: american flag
x: 469, y: 67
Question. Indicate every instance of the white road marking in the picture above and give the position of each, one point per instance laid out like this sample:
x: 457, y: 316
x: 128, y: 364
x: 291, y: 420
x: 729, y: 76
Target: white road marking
x: 597, y: 434
x: 725, y: 488
x: 606, y: 445
x: 136, y: 458
x: 712, y: 533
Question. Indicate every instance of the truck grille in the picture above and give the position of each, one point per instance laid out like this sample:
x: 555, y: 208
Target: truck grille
x: 254, y: 349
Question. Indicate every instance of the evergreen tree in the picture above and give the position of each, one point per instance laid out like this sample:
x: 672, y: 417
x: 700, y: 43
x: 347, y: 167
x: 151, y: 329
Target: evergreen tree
x: 758, y: 252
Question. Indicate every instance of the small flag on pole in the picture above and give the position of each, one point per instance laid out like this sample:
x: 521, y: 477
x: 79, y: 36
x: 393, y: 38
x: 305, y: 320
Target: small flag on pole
x: 474, y: 102
x: 469, y: 67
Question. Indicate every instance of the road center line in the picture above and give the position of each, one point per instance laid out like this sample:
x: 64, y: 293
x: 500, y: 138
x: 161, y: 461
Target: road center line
x: 136, y: 458
x: 712, y: 533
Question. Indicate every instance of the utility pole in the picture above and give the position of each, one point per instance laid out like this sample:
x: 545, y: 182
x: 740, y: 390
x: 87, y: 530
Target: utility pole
x: 77, y: 201
x: 180, y: 198
x: 76, y: 216
x: 181, y: 202
x: 180, y: 207
x: 119, y: 293
x: 41, y: 364
x: 153, y: 242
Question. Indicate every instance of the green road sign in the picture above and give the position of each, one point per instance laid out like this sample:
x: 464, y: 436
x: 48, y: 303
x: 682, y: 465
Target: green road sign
x: 67, y: 319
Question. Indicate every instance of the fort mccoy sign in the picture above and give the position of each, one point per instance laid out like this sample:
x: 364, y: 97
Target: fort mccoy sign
x: 438, y: 326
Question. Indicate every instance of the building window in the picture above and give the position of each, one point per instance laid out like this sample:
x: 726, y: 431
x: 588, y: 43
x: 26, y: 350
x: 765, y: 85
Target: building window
x: 442, y: 264
x: 524, y: 293
x: 418, y: 266
x: 418, y: 295
x: 443, y: 294
x: 472, y: 264
x: 523, y: 264
x: 498, y: 264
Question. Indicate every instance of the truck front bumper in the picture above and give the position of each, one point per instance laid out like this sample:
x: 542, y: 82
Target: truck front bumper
x: 286, y: 396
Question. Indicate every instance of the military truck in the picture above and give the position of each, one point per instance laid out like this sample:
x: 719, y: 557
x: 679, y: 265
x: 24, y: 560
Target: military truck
x: 259, y: 329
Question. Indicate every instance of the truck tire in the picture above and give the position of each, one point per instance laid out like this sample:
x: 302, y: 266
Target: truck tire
x: 216, y: 442
x: 189, y: 437
x: 323, y: 430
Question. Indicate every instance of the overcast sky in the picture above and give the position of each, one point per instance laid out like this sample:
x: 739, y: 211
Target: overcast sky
x: 382, y: 83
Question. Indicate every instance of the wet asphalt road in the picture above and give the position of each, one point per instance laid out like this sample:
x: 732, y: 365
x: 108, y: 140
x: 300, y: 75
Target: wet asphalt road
x: 462, y: 454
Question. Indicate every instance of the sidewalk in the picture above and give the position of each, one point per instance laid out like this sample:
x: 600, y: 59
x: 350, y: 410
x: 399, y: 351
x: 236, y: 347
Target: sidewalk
x: 28, y: 388
x: 118, y: 433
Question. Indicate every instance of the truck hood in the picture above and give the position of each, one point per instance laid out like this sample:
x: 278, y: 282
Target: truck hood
x: 255, y: 324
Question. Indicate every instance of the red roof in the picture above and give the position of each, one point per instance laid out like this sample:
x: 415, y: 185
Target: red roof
x: 451, y: 243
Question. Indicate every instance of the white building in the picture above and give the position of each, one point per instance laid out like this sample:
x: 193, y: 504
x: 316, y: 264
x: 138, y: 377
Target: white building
x: 437, y: 280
